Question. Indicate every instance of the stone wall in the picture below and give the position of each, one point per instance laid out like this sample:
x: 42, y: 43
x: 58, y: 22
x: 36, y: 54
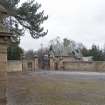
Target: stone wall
x: 3, y: 73
x: 60, y: 62
x: 26, y: 64
x: 98, y: 66
x: 14, y: 66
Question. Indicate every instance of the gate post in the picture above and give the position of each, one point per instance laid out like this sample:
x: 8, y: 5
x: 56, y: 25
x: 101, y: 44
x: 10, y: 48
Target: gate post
x: 4, y: 41
x: 52, y: 64
x: 36, y: 65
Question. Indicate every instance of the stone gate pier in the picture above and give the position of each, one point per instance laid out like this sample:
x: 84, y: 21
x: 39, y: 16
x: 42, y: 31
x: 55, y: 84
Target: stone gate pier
x: 4, y: 41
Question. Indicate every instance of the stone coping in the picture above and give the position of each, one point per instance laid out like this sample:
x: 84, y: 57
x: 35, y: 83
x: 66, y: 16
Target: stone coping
x: 5, y: 34
x: 83, y: 61
x: 2, y: 9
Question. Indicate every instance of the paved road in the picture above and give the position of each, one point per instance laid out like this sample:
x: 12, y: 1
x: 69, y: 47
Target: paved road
x: 71, y: 75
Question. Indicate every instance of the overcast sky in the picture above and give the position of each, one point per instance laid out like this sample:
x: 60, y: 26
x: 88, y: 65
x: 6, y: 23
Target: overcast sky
x: 79, y: 20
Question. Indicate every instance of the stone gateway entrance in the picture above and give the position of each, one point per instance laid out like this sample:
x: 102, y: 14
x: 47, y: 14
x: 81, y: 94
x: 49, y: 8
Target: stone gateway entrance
x: 44, y: 62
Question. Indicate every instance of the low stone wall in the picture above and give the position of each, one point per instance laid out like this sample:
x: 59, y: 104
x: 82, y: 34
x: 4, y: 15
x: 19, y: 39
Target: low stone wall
x: 14, y: 66
x: 98, y: 66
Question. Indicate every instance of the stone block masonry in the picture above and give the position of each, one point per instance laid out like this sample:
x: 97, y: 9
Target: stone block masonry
x: 3, y: 74
x: 4, y: 41
x: 94, y: 66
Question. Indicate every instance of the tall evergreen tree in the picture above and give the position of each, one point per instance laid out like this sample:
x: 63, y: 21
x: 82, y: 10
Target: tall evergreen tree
x: 14, y: 52
x: 26, y: 16
x: 95, y: 52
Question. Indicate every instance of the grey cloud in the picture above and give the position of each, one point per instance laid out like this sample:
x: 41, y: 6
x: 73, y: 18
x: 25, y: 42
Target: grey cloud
x: 83, y: 22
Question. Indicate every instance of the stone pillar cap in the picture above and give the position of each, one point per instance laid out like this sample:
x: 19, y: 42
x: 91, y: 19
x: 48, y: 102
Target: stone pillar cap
x: 3, y: 10
x: 3, y: 34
